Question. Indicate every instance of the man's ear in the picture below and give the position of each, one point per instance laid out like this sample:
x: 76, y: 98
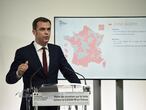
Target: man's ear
x: 34, y: 32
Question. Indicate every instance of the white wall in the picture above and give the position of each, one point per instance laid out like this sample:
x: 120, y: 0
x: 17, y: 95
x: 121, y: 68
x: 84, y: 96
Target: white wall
x: 135, y: 95
x: 15, y: 31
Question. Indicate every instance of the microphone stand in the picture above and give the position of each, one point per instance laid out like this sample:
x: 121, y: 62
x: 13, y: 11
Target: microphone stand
x: 28, y: 92
x: 84, y: 88
x: 27, y: 98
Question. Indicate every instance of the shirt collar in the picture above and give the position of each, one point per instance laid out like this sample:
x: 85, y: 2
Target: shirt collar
x: 38, y: 47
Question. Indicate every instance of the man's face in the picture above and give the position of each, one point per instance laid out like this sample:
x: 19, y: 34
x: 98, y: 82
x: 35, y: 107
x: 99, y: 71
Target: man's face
x: 42, y: 33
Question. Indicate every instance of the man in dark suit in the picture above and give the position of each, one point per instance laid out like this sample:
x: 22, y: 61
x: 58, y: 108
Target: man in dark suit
x: 28, y: 60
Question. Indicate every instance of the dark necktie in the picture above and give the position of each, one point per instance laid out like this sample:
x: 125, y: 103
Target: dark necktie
x: 44, y: 57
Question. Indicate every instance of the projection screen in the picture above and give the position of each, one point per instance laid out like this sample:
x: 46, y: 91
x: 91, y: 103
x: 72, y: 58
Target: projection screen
x: 104, y: 47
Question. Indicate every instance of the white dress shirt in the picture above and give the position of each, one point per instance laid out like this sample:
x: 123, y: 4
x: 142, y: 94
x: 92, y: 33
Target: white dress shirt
x: 39, y: 51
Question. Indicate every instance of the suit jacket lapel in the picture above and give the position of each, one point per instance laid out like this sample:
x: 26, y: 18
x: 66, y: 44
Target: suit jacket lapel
x: 34, y: 59
x: 51, y: 57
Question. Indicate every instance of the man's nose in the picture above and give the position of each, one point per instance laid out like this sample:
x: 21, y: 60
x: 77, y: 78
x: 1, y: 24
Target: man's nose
x: 46, y: 31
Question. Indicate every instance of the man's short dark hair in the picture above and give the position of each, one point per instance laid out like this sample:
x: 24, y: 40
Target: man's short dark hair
x: 42, y: 19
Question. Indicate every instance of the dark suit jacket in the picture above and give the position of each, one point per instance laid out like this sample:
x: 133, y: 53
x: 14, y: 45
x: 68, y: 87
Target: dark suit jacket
x: 57, y: 62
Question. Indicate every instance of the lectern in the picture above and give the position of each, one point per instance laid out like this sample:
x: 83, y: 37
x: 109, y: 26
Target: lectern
x: 61, y: 95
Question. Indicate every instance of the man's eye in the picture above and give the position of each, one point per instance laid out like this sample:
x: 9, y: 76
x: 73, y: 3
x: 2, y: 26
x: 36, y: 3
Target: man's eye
x: 42, y: 29
x: 49, y: 29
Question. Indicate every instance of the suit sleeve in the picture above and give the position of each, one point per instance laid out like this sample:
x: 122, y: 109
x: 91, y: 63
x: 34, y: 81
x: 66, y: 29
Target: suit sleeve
x: 69, y: 75
x: 11, y: 76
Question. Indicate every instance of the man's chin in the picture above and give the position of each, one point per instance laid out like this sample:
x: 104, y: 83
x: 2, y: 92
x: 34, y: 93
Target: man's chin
x: 46, y: 41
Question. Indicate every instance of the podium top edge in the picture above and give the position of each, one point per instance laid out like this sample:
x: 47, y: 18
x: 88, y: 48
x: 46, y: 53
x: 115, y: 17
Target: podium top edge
x: 69, y: 84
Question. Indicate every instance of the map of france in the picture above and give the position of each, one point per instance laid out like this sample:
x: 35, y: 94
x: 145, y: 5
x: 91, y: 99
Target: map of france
x: 86, y: 47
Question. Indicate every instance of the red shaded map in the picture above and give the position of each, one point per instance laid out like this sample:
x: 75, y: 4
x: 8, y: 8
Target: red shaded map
x: 86, y: 47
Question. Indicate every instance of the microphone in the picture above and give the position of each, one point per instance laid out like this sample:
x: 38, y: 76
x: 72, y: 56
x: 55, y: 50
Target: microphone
x: 31, y: 78
x: 86, y: 89
x: 77, y: 74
